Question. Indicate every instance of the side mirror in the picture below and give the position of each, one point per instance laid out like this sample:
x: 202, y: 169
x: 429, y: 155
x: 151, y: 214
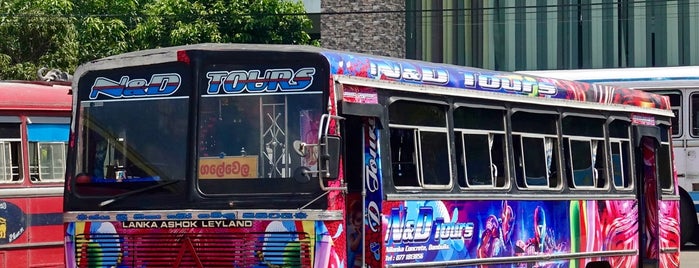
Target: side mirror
x: 300, y: 148
x: 330, y: 157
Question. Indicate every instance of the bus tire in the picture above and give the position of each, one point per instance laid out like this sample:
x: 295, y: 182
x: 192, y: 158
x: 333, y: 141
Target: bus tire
x: 598, y: 264
x: 688, y: 217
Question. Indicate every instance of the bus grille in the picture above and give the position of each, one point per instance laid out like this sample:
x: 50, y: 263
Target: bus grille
x: 268, y: 249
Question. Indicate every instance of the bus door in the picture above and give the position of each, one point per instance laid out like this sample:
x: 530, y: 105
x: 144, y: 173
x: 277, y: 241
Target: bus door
x: 364, y: 197
x: 647, y: 141
x: 362, y: 130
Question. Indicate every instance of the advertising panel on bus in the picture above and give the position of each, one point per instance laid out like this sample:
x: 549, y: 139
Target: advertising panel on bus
x: 428, y: 231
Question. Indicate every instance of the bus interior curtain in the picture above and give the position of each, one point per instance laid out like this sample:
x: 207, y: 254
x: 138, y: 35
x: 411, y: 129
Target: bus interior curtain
x: 594, y: 154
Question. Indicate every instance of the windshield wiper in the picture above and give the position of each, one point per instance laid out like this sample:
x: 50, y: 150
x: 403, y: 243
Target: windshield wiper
x: 134, y: 192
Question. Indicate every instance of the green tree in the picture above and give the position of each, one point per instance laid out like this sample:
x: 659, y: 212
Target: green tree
x: 36, y: 34
x: 103, y: 26
x: 63, y: 33
x: 180, y: 22
x: 174, y: 22
x: 265, y: 21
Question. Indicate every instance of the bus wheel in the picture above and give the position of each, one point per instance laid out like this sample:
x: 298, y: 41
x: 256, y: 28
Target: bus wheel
x: 688, y: 217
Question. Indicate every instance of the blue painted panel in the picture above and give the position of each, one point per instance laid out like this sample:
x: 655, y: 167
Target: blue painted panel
x: 48, y: 132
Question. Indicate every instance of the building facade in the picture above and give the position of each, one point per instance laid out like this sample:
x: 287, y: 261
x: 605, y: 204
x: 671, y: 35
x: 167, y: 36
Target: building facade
x: 368, y: 26
x: 513, y: 35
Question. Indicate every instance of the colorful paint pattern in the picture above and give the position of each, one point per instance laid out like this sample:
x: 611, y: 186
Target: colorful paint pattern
x: 199, y: 243
x: 421, y: 73
x: 432, y: 231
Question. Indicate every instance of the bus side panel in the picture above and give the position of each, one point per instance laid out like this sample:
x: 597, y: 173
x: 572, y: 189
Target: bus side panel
x: 434, y: 231
x: 27, y: 231
x: 14, y: 216
x: 45, y: 226
x: 14, y: 231
x: 669, y: 226
x: 203, y: 243
x: 599, y: 226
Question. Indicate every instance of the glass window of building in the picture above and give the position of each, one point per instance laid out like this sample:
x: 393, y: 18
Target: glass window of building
x: 554, y: 34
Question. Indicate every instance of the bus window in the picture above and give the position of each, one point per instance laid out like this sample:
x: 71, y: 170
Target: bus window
x: 665, y: 176
x: 480, y: 147
x: 10, y: 153
x: 694, y: 114
x: 404, y: 159
x: 676, y: 105
x: 535, y: 141
x: 620, y: 141
x: 419, y: 144
x: 47, y: 160
x: 583, y: 140
x: 47, y: 139
x: 132, y: 143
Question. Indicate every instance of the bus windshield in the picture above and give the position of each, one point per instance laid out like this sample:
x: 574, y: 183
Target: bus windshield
x: 131, y: 142
x: 244, y: 142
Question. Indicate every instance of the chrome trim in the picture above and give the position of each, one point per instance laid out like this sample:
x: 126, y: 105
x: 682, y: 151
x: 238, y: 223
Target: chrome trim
x: 538, y: 258
x: 31, y: 245
x: 491, y: 196
x: 669, y: 197
x: 31, y: 191
x: 669, y: 250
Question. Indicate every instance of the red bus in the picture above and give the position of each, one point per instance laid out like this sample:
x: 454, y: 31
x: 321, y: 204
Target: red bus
x: 34, y: 129
x: 233, y: 155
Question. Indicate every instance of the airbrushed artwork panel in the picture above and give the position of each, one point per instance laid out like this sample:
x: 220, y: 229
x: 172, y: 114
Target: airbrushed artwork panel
x: 206, y: 243
x: 430, y: 231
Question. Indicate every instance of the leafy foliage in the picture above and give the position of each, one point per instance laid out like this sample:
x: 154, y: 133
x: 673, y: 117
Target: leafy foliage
x: 102, y: 27
x: 36, y: 34
x: 62, y: 34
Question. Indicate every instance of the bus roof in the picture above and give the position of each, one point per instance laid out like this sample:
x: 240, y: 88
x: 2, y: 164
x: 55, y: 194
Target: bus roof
x: 406, y: 71
x: 637, y: 78
x: 34, y: 95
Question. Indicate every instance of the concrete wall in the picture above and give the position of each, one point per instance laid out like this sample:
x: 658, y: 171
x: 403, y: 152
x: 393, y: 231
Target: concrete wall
x: 369, y: 26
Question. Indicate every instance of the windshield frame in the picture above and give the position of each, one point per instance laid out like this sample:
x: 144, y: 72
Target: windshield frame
x: 188, y: 194
x: 274, y: 112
